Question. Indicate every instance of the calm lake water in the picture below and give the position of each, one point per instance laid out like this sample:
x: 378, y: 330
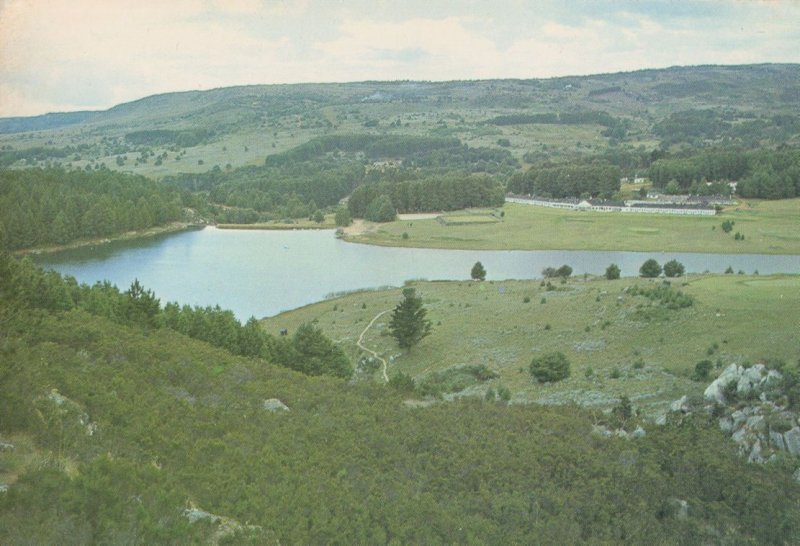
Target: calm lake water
x: 261, y: 273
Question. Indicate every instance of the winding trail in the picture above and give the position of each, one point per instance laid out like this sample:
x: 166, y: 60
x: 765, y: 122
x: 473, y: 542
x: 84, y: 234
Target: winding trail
x: 370, y: 351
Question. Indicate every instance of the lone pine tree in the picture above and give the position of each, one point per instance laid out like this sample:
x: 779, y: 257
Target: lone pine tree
x: 408, y: 324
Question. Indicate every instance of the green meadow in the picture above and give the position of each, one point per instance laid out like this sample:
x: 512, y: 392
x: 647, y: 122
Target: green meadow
x: 617, y: 343
x: 768, y: 227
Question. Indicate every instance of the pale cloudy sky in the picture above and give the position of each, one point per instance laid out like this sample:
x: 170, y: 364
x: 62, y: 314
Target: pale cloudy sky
x: 63, y: 55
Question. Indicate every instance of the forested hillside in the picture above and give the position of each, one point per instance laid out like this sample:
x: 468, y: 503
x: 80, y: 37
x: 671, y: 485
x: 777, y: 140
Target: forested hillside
x: 117, y: 428
x: 52, y: 206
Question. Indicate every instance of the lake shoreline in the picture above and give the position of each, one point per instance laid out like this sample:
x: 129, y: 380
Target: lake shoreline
x: 174, y: 227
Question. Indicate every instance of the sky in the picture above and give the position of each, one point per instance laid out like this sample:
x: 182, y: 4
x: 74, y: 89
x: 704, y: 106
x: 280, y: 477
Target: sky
x: 67, y: 55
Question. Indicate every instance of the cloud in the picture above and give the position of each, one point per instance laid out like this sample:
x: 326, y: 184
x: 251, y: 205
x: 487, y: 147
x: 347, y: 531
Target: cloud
x: 75, y: 54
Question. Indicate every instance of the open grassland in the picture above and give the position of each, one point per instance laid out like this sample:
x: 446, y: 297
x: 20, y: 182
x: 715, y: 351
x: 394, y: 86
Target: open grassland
x: 301, y: 223
x: 617, y: 343
x: 769, y: 227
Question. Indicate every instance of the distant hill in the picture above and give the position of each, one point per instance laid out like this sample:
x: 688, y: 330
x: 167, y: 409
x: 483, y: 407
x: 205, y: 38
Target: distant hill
x: 46, y: 121
x: 556, y: 118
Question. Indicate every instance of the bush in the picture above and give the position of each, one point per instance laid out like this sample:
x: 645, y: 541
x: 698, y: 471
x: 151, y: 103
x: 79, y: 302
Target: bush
x: 674, y: 268
x: 402, y: 382
x: 550, y: 367
x: 612, y: 272
x: 702, y: 370
x: 650, y: 269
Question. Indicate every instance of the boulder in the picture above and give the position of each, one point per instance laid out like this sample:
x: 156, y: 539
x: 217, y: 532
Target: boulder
x: 715, y: 391
x: 792, y: 439
x: 639, y: 433
x: 195, y: 515
x: 776, y: 440
x: 273, y: 404
x: 680, y: 405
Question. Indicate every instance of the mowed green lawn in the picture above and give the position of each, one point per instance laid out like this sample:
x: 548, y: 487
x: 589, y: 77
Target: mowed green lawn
x: 769, y: 227
x: 603, y: 330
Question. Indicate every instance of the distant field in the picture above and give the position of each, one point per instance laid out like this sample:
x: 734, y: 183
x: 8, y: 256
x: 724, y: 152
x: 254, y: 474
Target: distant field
x: 328, y: 223
x: 595, y: 323
x: 769, y: 227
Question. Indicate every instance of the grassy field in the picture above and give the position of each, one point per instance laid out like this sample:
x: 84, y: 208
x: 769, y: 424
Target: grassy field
x: 300, y: 223
x: 769, y: 227
x: 618, y: 344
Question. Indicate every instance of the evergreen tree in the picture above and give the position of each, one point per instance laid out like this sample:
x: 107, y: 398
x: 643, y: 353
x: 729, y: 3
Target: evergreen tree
x: 408, y: 324
x: 478, y: 272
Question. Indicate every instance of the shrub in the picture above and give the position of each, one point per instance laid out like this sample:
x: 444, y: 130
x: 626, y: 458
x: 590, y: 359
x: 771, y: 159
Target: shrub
x: 702, y: 370
x: 674, y: 268
x: 650, y: 269
x: 550, y: 367
x: 612, y: 272
x: 402, y: 382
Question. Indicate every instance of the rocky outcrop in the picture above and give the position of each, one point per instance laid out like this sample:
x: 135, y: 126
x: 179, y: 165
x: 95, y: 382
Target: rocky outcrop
x: 749, y: 405
x: 740, y: 382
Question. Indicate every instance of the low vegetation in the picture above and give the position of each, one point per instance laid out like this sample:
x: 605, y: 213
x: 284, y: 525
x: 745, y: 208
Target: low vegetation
x: 123, y: 432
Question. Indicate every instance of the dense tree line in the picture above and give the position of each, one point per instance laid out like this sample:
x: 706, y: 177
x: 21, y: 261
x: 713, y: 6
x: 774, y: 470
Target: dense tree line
x: 166, y: 137
x: 766, y: 173
x: 132, y: 431
x: 53, y: 206
x: 598, y: 179
x: 372, y: 146
x: 582, y: 117
x: 289, y: 190
x: 446, y: 192
x: 10, y: 156
x: 698, y: 127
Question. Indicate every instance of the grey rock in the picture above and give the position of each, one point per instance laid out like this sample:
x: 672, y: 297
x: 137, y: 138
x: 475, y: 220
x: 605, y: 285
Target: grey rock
x: 776, y: 440
x: 6, y: 446
x: 195, y: 514
x: 796, y: 475
x: 273, y: 404
x: 755, y: 453
x: 756, y: 423
x: 3, y: 487
x: 714, y: 392
x: 792, y: 439
x: 639, y: 433
x: 738, y: 417
x: 726, y: 424
x: 680, y: 405
x: 772, y: 380
x: 679, y: 507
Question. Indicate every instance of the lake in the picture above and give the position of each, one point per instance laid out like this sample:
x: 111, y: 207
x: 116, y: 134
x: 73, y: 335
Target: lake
x: 261, y: 273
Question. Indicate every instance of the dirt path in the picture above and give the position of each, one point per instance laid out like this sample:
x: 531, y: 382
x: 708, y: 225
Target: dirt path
x: 373, y: 353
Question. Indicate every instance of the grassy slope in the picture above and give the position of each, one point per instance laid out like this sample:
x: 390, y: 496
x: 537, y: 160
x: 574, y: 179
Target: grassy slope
x: 769, y: 227
x: 748, y: 318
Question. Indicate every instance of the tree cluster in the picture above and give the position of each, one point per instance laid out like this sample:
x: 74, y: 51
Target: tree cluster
x: 446, y: 192
x: 597, y: 179
x: 52, y: 206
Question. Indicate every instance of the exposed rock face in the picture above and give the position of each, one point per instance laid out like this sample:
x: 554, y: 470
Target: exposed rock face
x: 756, y: 379
x: 748, y: 403
x: 273, y: 404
